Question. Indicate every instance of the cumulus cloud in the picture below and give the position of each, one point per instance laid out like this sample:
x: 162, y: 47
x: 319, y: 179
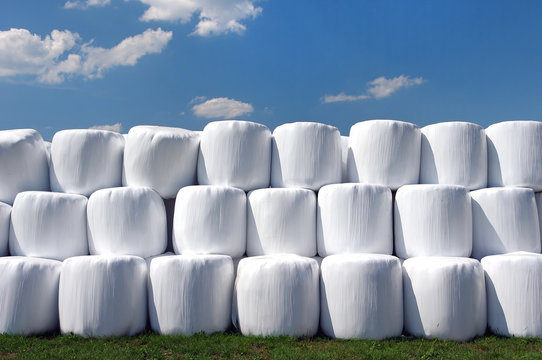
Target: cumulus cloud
x: 378, y: 88
x: 114, y: 127
x: 60, y: 55
x: 223, y: 108
x: 215, y: 16
x: 84, y: 4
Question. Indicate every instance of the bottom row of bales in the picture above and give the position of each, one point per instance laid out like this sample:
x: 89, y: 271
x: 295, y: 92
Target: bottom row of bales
x: 347, y: 296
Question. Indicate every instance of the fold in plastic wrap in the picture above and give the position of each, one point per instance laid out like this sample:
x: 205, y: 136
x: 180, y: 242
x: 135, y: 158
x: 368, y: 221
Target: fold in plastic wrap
x: 29, y: 295
x: 190, y: 293
x: 210, y: 220
x: 23, y: 163
x: 504, y: 220
x: 281, y: 221
x: 103, y: 295
x: 49, y: 225
x: 514, y: 151
x: 126, y: 221
x: 385, y: 152
x: 538, y: 198
x: 306, y: 155
x: 162, y: 158
x: 514, y: 294
x: 444, y: 297
x: 83, y: 161
x: 235, y: 153
x: 277, y: 295
x: 361, y: 296
x: 345, y: 149
x: 454, y: 153
x: 354, y: 218
x: 432, y: 220
x: 5, y: 216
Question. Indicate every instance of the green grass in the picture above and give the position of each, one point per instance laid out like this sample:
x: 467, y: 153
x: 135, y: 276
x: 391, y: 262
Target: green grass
x: 235, y: 346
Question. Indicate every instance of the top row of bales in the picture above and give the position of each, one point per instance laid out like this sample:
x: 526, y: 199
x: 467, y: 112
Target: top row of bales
x: 248, y: 156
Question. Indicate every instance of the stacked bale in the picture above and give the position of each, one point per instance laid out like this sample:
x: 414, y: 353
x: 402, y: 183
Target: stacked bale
x: 5, y: 216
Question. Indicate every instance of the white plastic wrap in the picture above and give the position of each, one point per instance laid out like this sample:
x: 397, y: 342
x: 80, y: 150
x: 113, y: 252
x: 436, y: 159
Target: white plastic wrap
x: 5, y: 216
x: 504, y: 220
x: 48, y: 149
x: 126, y: 221
x: 103, y: 295
x: 162, y: 158
x: 210, y: 220
x: 29, y: 295
x: 454, y: 153
x: 385, y: 152
x: 48, y: 225
x: 83, y: 161
x: 190, y: 293
x: 514, y: 294
x: 345, y: 149
x: 306, y: 155
x: 354, y: 218
x: 538, y: 198
x: 235, y: 153
x: 281, y: 221
x: 23, y: 163
x: 432, y: 220
x: 361, y: 296
x: 277, y: 295
x: 444, y: 297
x: 514, y: 151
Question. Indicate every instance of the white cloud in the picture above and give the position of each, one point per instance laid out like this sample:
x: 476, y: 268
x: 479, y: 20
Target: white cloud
x: 84, y: 4
x: 222, y: 108
x: 378, y: 88
x: 215, y: 16
x: 59, y: 55
x: 114, y: 127
x: 197, y: 100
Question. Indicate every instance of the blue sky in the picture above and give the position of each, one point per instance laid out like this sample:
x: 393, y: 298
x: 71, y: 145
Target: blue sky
x: 82, y: 63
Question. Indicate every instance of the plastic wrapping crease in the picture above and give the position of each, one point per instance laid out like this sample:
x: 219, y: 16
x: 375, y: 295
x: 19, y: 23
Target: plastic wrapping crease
x: 235, y: 153
x: 23, y: 163
x: 504, y: 220
x: 190, y: 293
x: 454, y: 153
x: 277, y: 295
x: 281, y: 221
x: 385, y: 152
x: 210, y: 219
x: 354, y: 218
x: 444, y: 297
x: 83, y: 161
x: 307, y: 155
x: 126, y: 221
x: 361, y: 296
x: 5, y: 216
x: 104, y: 295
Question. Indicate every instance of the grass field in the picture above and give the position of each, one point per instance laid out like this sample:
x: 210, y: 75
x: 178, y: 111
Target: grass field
x: 236, y: 346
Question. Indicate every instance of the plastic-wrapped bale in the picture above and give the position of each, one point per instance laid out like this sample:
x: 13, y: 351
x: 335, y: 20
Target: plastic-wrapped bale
x: 103, y: 295
x: 5, y: 216
x: 83, y: 161
x: 29, y: 301
x: 210, y: 219
x: 444, y: 297
x: 354, y: 218
x: 162, y: 158
x: 306, y: 155
x: 48, y: 150
x: 23, y: 163
x: 126, y: 221
x: 235, y: 153
x: 504, y: 220
x: 281, y: 221
x: 432, y: 220
x: 514, y: 151
x: 190, y: 293
x: 454, y: 153
x: 277, y: 295
x: 49, y: 225
x: 385, y: 152
x: 344, y: 164
x: 361, y: 296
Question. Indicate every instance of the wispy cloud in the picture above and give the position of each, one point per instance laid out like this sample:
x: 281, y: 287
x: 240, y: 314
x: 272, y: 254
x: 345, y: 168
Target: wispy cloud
x: 114, y: 127
x: 197, y: 100
x: 222, y: 108
x: 378, y: 88
x: 84, y: 4
x: 60, y: 55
